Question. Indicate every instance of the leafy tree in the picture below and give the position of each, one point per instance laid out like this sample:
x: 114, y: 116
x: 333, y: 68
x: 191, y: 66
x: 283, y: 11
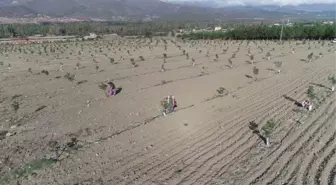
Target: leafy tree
x: 332, y: 80
x: 310, y: 57
x: 255, y: 72
x: 268, y: 129
x: 311, y: 93
x: 278, y: 65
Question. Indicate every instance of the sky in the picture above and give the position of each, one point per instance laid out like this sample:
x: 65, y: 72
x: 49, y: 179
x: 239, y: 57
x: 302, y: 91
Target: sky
x: 263, y: 2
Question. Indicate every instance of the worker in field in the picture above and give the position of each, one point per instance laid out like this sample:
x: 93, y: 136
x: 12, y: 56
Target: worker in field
x: 169, y: 104
x: 111, y: 90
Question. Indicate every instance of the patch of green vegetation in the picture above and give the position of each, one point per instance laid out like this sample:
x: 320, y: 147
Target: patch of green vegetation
x: 311, y: 93
x: 26, y: 170
x: 15, y: 106
x: 70, y: 77
x: 268, y: 128
x: 332, y: 79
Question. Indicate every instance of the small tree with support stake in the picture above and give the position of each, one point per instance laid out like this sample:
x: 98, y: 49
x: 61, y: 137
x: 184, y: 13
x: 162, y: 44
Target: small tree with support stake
x: 332, y: 80
x: 255, y: 72
x: 268, y: 129
x: 278, y: 65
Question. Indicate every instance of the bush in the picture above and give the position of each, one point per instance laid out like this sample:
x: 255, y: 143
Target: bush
x: 70, y: 77
x: 268, y: 128
x: 15, y: 106
x: 311, y: 93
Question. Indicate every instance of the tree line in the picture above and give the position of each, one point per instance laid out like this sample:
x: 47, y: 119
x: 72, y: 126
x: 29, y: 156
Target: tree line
x: 162, y: 28
x: 263, y: 31
x: 79, y: 28
x: 151, y: 28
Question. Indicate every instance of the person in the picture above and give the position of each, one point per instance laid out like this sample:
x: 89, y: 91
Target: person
x: 171, y: 105
x: 174, y: 103
x: 307, y: 105
x: 111, y: 89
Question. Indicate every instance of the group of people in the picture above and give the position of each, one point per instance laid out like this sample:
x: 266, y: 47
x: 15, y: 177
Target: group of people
x: 307, y: 105
x: 170, y: 104
x: 170, y: 101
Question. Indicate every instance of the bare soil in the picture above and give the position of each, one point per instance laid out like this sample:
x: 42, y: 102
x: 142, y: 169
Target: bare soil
x: 124, y: 139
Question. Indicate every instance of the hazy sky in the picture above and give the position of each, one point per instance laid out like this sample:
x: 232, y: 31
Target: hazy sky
x: 277, y: 2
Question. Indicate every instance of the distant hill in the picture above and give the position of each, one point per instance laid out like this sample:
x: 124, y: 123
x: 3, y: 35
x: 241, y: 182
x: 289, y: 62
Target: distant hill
x: 16, y: 11
x: 230, y: 4
x: 196, y: 10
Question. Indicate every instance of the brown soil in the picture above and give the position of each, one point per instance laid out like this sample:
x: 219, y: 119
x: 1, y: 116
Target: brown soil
x: 124, y: 139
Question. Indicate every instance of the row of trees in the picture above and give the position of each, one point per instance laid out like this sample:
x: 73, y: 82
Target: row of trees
x: 84, y: 28
x: 260, y: 31
x: 79, y: 28
x: 263, y: 31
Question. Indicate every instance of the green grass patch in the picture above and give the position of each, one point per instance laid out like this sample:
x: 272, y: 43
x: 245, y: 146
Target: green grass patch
x: 26, y: 170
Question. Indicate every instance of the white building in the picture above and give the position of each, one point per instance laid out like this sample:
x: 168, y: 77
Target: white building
x: 328, y: 22
x: 218, y: 28
x: 91, y: 36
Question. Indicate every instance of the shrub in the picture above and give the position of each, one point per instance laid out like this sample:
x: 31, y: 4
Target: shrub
x: 230, y: 62
x: 268, y: 129
x: 15, y: 106
x: 45, y: 72
x: 255, y: 71
x: 222, y: 91
x: 310, y: 56
x: 70, y: 77
x: 311, y: 93
x: 278, y: 64
x: 102, y: 86
x: 332, y: 79
x: 252, y: 58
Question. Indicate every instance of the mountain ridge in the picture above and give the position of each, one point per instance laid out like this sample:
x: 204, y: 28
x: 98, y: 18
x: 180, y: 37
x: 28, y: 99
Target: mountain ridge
x: 107, y: 9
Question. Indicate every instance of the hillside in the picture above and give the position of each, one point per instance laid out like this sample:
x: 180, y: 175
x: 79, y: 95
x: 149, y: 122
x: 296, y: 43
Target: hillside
x: 16, y: 11
x: 165, y: 10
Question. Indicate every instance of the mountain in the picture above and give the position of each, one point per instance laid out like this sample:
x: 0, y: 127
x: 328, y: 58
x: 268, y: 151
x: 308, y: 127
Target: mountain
x: 319, y: 7
x: 16, y: 11
x: 188, y: 10
x: 206, y: 3
x: 233, y: 4
x: 95, y: 8
x: 109, y: 8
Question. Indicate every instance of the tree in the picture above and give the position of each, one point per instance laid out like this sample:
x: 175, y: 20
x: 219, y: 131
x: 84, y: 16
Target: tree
x: 148, y: 34
x: 63, y: 31
x: 268, y: 55
x: 12, y: 31
x: 332, y: 80
x: 230, y: 62
x: 268, y: 129
x: 252, y: 59
x: 278, y: 64
x: 320, y: 54
x: 311, y: 93
x: 310, y: 57
x: 255, y: 72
